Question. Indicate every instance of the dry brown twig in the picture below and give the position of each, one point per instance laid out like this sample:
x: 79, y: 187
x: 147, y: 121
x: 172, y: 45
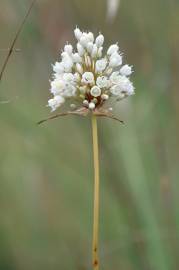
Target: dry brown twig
x: 11, y: 49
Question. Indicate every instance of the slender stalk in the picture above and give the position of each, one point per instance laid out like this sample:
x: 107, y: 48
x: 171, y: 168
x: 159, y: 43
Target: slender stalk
x: 96, y: 194
x: 11, y: 49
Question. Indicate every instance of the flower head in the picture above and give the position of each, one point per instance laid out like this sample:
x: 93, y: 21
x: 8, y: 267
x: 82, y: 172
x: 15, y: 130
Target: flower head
x: 88, y: 77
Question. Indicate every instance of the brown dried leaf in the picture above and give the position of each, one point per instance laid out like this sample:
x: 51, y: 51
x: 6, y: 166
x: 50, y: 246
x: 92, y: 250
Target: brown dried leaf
x: 79, y: 112
x: 105, y: 113
x: 83, y: 112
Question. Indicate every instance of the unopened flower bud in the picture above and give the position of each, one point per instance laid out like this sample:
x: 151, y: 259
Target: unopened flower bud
x: 90, y: 36
x: 104, y: 96
x: 91, y: 106
x: 85, y: 102
x: 80, y: 49
x: 68, y: 48
x: 99, y: 40
x: 77, y: 33
x: 94, y: 51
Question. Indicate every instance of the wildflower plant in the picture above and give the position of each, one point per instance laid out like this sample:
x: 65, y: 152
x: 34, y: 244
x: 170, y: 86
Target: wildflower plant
x: 89, y: 80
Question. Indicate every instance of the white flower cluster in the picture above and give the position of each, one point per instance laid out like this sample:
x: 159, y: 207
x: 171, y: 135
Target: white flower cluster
x: 87, y: 77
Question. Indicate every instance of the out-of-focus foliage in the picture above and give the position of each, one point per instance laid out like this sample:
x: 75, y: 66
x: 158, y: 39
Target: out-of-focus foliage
x: 46, y: 174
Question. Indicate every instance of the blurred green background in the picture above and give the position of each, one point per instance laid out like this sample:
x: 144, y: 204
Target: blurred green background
x: 46, y: 172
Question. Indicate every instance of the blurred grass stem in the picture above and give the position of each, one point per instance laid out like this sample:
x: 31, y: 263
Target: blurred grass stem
x: 96, y: 194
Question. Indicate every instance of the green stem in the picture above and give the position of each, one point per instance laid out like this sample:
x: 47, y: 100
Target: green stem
x: 96, y: 194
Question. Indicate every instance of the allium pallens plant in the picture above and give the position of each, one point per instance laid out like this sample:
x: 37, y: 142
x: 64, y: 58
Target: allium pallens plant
x: 89, y: 80
x: 88, y: 77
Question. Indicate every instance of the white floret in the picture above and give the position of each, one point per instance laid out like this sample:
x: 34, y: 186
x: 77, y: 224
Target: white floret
x: 84, y: 41
x: 99, y: 40
x: 67, y: 63
x: 115, y: 77
x: 68, y: 48
x: 90, y: 37
x: 100, y: 65
x: 68, y: 77
x: 58, y: 68
x: 115, y: 90
x: 123, y: 86
x: 57, y: 86
x: 64, y: 55
x: 90, y: 47
x: 115, y: 60
x: 112, y: 49
x: 95, y: 91
x: 100, y: 52
x: 76, y: 58
x: 124, y: 83
x: 102, y: 81
x: 77, y: 33
x: 87, y: 78
x: 80, y: 49
x: 55, y: 102
x: 130, y: 89
x: 70, y: 90
x: 126, y: 70
x: 94, y: 51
